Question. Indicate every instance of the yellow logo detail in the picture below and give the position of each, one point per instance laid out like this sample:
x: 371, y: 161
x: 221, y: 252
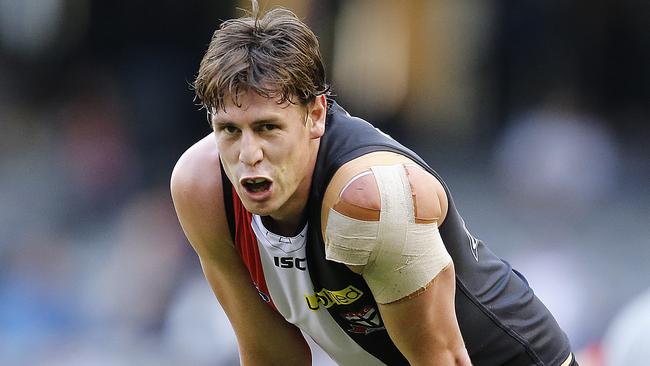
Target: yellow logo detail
x: 328, y: 298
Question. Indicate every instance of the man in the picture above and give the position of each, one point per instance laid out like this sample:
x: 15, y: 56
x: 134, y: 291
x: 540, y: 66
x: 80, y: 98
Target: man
x: 307, y: 219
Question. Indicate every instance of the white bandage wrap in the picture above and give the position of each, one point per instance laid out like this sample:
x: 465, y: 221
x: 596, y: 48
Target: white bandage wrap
x: 400, y: 255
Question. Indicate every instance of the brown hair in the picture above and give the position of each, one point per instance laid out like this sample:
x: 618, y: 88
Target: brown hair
x: 275, y: 55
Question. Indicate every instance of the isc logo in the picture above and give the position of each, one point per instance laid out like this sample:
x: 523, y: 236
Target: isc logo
x: 290, y: 262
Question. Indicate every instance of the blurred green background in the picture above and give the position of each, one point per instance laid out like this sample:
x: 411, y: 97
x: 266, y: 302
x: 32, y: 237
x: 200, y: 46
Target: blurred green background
x: 535, y: 112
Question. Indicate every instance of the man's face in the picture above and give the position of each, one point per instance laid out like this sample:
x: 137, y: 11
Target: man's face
x: 268, y: 151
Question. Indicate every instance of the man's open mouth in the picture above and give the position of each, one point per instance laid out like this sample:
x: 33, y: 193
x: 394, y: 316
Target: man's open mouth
x: 256, y: 184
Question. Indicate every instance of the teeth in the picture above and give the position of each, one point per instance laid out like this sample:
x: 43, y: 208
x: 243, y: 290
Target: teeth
x: 256, y: 180
x: 259, y: 180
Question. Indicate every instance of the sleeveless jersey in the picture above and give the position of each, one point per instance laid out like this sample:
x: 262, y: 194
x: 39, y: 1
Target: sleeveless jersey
x: 501, y: 320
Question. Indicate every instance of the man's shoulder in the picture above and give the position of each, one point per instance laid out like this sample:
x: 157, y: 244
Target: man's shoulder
x: 353, y: 170
x: 354, y: 188
x: 197, y: 194
x: 198, y: 168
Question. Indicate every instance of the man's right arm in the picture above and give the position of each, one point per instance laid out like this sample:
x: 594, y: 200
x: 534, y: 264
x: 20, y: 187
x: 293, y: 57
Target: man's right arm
x: 264, y: 337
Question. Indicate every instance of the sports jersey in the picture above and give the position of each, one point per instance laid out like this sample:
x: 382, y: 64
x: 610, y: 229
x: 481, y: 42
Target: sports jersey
x: 501, y: 320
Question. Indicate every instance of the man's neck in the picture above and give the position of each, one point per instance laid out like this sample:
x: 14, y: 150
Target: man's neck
x: 288, y: 228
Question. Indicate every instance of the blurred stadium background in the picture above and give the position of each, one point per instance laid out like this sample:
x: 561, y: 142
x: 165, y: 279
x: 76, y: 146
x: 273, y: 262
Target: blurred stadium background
x: 535, y: 112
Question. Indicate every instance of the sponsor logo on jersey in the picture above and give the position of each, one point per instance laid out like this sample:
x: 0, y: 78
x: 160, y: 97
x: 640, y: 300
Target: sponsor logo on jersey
x: 473, y: 242
x: 290, y: 262
x: 365, y: 321
x: 328, y: 298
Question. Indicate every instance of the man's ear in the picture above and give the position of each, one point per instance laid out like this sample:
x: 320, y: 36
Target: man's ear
x: 316, y: 115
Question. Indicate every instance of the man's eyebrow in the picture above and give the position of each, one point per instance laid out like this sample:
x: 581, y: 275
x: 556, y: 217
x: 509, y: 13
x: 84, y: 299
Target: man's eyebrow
x: 219, y: 125
x: 257, y: 122
x: 263, y: 121
x: 222, y: 122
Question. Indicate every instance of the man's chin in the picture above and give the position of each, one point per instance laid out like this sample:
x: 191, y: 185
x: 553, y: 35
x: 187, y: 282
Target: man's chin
x: 257, y: 208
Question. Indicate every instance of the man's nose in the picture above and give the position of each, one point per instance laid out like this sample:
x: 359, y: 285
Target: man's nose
x: 250, y: 152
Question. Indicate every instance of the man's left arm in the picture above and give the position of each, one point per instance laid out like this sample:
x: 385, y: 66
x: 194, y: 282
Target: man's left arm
x: 424, y: 327
x: 384, y: 225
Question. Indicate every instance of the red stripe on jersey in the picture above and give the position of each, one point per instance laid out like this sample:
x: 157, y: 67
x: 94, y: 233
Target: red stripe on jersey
x: 246, y: 244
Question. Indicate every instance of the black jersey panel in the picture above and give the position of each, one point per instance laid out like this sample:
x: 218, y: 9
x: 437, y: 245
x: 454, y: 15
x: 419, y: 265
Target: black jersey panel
x: 501, y: 320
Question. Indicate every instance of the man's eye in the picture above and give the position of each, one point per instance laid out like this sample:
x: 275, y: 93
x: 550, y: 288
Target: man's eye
x: 231, y: 130
x: 268, y: 127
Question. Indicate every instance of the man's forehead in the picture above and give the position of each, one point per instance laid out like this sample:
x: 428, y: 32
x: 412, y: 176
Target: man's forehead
x: 245, y: 101
x: 258, y: 109
x: 251, y: 102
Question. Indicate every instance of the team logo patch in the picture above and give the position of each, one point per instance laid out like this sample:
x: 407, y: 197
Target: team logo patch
x: 365, y: 321
x: 328, y: 298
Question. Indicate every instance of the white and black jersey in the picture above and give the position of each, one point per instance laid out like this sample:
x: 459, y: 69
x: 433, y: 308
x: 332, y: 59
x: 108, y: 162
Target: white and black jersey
x: 500, y: 318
